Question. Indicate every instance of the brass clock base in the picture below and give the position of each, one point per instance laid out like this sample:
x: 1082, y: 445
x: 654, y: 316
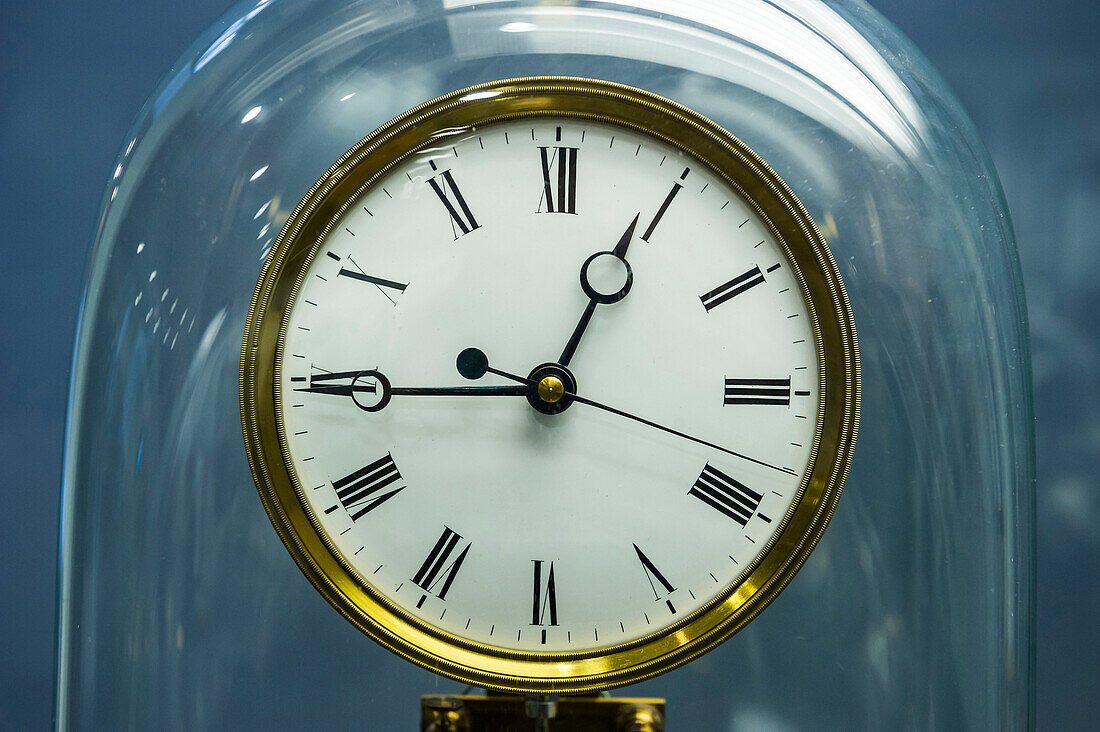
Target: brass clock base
x: 512, y: 713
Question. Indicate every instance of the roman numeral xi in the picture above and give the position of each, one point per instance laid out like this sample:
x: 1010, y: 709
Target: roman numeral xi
x: 462, y: 218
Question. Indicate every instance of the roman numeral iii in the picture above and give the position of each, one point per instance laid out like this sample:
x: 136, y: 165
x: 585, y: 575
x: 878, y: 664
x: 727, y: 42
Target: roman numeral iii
x: 356, y: 491
x: 462, y: 219
x: 545, y: 603
x: 442, y: 565
x: 726, y: 494
x: 758, y: 391
x: 559, y: 180
x: 729, y: 290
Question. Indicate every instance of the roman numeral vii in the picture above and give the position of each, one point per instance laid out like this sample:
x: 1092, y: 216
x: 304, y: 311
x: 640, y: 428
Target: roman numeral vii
x: 442, y: 565
x: 545, y: 602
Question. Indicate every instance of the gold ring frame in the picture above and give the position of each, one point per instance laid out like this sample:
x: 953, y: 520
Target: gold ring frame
x: 509, y: 670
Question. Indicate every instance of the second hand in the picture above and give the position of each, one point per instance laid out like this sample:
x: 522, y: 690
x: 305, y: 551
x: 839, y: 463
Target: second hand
x: 481, y: 363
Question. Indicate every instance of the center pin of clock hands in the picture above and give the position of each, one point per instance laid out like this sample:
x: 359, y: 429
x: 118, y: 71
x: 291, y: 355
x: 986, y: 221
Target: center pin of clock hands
x: 595, y: 297
x: 543, y: 395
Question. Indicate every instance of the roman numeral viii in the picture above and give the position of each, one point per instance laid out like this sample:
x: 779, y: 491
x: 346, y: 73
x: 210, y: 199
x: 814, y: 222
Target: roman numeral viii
x: 462, y: 219
x: 356, y: 491
x: 545, y: 600
x: 559, y: 180
x: 726, y: 494
x: 731, y: 289
x: 758, y: 391
x: 442, y: 565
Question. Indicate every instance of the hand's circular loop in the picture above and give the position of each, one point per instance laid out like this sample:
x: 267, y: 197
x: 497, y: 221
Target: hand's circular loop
x: 384, y: 388
x: 601, y: 297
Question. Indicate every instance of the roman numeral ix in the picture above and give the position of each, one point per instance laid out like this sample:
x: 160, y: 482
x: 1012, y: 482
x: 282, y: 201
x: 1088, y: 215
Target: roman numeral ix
x: 726, y: 494
x: 442, y: 565
x: 356, y: 491
x: 559, y: 180
x: 462, y: 219
x: 758, y: 391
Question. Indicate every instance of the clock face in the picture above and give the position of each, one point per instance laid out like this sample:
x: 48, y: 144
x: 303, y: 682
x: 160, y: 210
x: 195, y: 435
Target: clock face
x: 551, y: 387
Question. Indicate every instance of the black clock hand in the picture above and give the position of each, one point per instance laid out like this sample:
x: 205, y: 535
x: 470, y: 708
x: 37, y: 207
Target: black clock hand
x: 596, y: 298
x: 361, y: 384
x: 473, y: 364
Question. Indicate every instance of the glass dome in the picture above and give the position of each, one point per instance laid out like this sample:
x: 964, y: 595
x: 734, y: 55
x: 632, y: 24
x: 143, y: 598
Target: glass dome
x: 181, y: 608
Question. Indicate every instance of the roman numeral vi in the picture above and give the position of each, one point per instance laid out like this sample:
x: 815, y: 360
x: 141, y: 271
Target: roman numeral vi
x: 545, y: 600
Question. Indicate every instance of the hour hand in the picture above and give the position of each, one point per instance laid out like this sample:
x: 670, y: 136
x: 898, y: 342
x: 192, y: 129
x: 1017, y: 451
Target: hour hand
x: 598, y: 293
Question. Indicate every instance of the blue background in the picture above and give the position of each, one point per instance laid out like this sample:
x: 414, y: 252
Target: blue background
x: 74, y: 74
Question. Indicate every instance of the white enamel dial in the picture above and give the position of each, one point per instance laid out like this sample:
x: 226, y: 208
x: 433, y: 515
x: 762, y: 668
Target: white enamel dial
x: 485, y: 517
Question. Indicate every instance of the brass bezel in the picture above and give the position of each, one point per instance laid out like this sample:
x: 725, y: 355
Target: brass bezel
x: 509, y: 670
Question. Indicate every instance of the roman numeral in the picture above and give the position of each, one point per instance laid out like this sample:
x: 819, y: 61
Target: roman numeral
x: 462, y: 219
x: 439, y: 566
x: 545, y: 600
x: 664, y: 206
x: 725, y: 494
x: 758, y: 391
x: 355, y: 490
x: 651, y: 574
x: 559, y: 180
x: 731, y: 289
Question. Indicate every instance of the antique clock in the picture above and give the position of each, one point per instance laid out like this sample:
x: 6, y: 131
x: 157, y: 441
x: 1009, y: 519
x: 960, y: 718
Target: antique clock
x: 549, y: 385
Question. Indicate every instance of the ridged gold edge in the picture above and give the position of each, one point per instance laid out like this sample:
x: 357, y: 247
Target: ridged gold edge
x: 505, y: 669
